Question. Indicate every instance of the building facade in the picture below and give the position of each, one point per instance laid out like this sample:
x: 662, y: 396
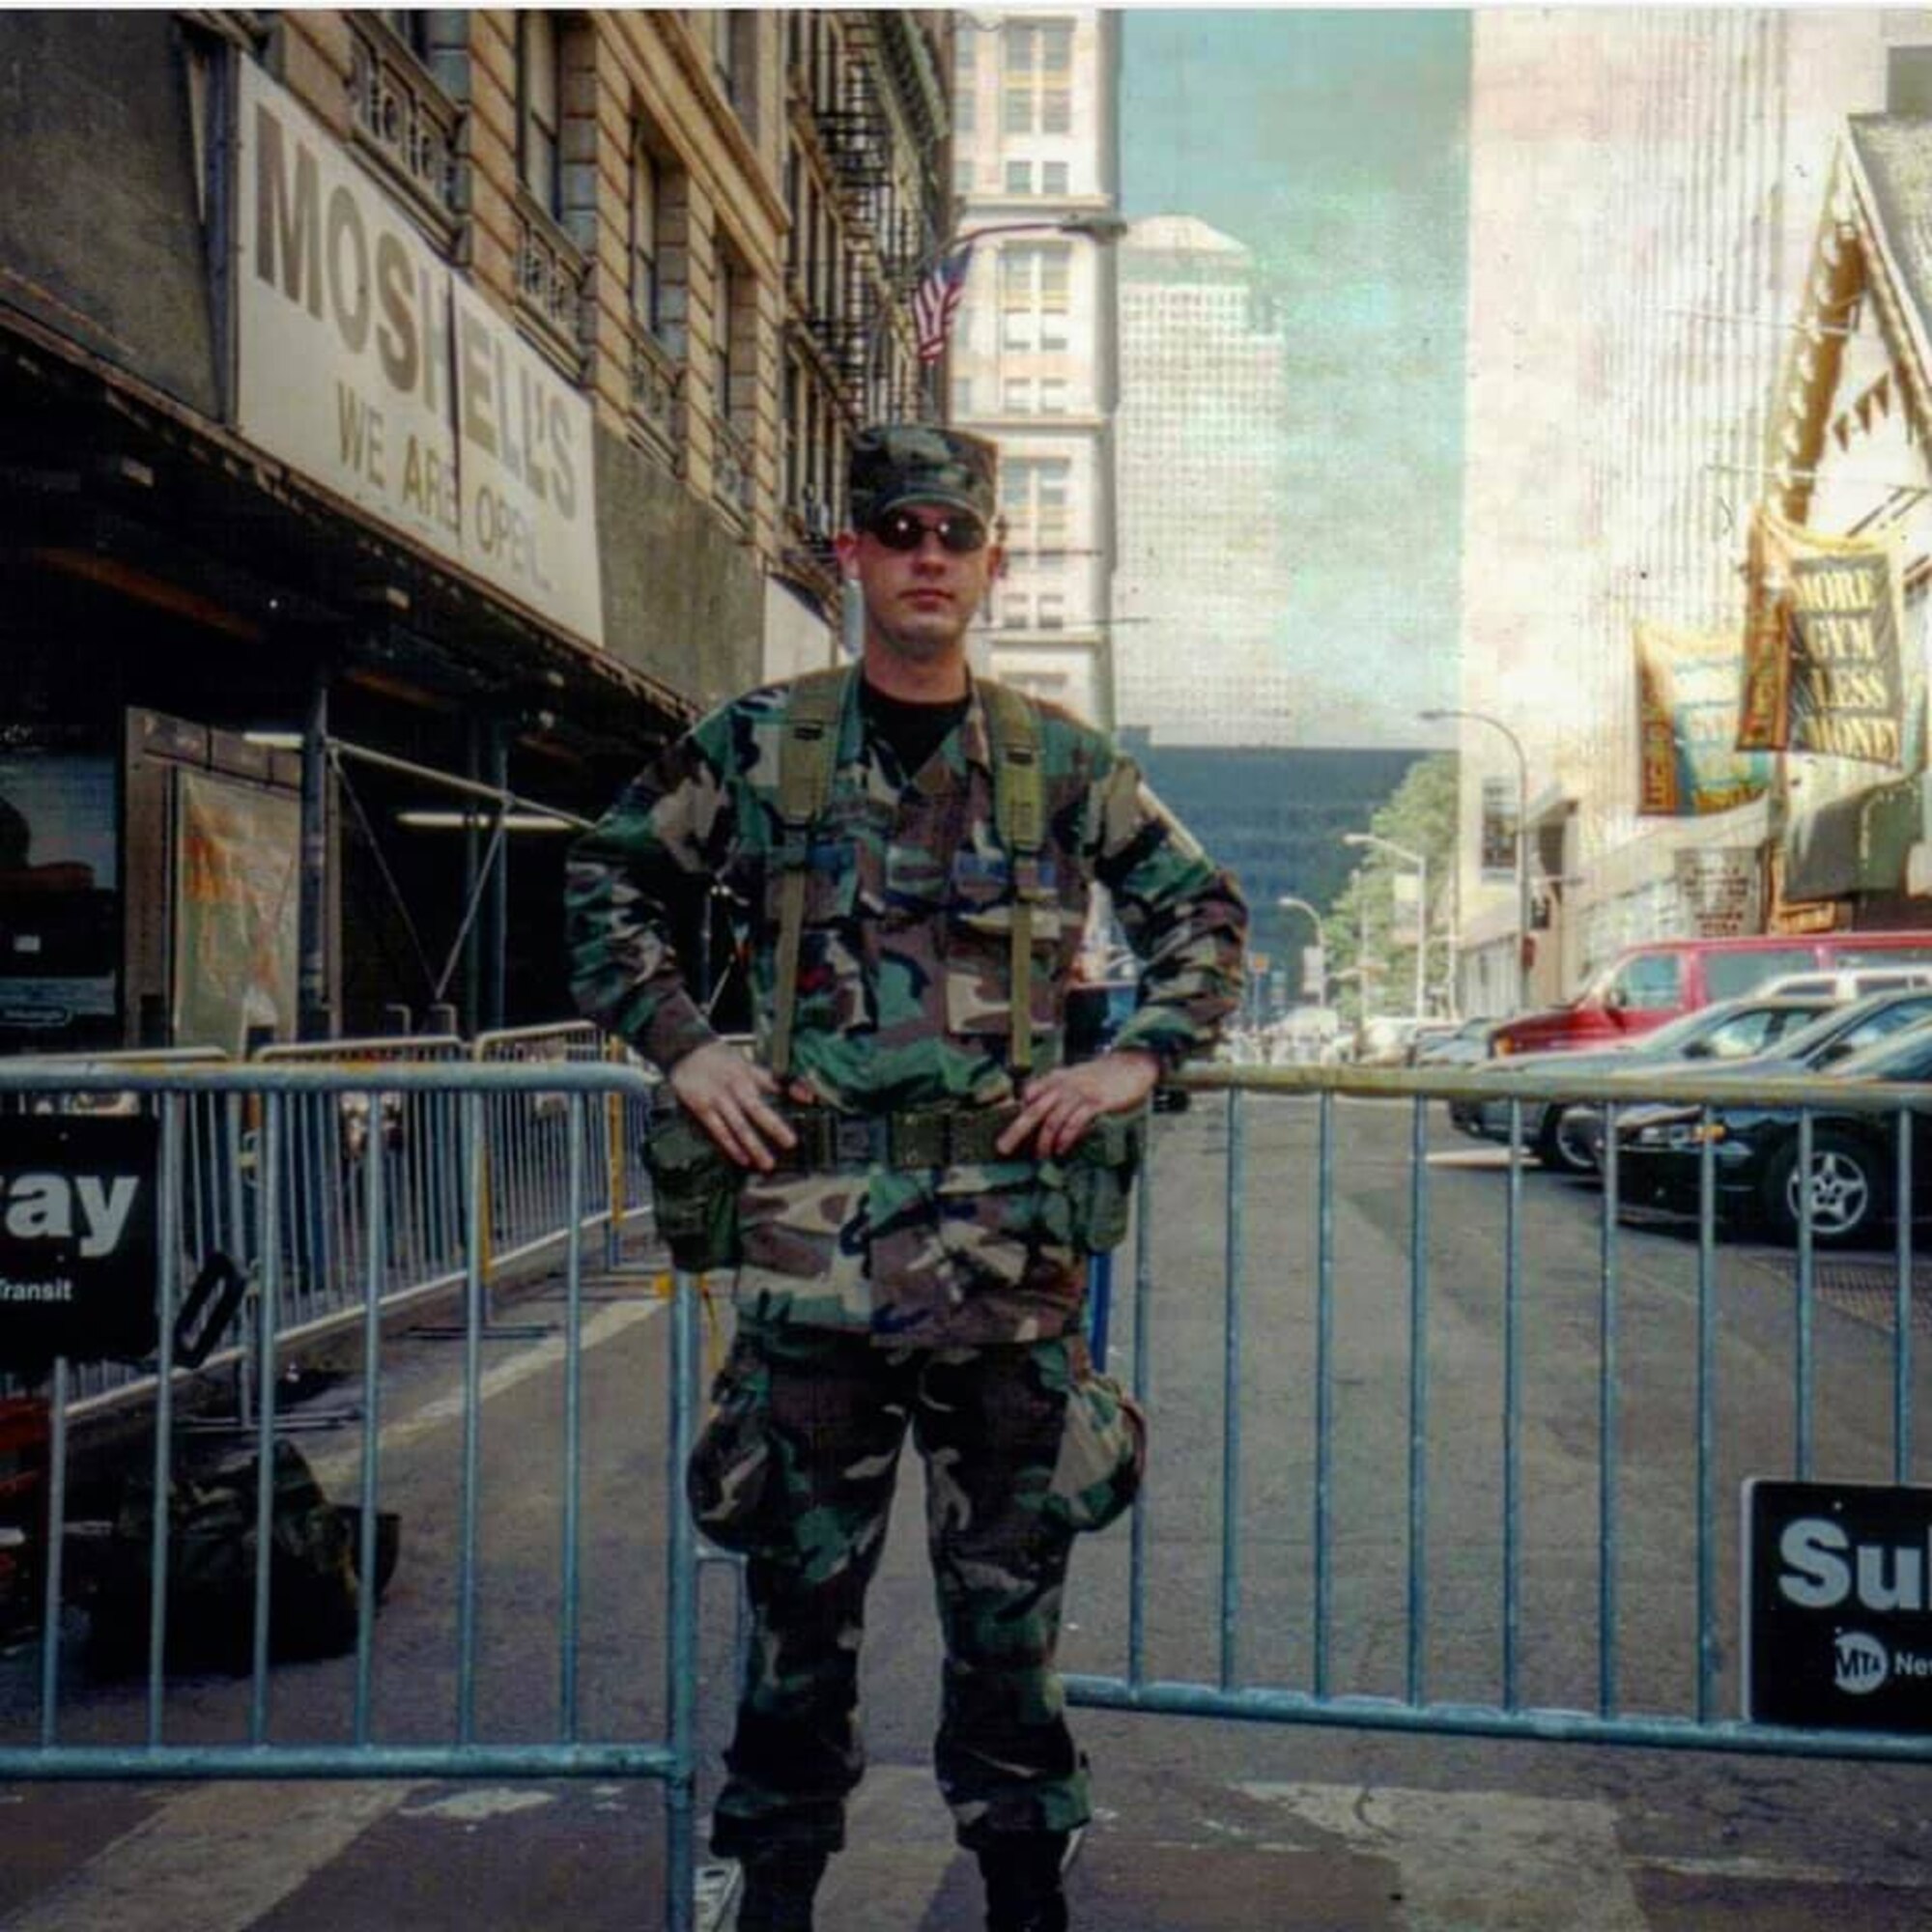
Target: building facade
x: 410, y: 418
x: 1645, y: 209
x: 1199, y: 592
x: 1032, y: 361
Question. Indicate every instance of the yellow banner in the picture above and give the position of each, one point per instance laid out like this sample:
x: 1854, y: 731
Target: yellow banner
x: 1823, y: 667
x: 1688, y: 734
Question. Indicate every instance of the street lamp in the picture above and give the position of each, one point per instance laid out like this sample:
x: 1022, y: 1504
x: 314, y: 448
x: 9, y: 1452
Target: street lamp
x: 1421, y: 865
x: 1436, y: 716
x: 1287, y: 903
x: 1101, y: 229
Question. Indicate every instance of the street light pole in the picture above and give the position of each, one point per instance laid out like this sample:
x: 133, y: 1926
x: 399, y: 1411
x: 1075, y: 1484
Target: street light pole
x: 1522, y: 976
x: 1287, y: 903
x: 1421, y: 864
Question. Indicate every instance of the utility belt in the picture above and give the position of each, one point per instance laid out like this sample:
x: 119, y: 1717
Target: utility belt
x: 695, y: 1185
x: 908, y: 1137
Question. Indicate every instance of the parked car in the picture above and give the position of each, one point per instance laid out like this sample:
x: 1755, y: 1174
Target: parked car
x: 1648, y: 986
x: 1849, y: 982
x: 1728, y: 1030
x: 1838, y: 1032
x: 1754, y: 1152
x: 1464, y: 1044
x: 1384, y: 1041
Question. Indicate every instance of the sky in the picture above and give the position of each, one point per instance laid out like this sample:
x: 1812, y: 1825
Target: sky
x: 1333, y: 143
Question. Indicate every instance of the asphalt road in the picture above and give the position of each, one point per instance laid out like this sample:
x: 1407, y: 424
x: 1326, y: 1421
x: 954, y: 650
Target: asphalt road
x: 1204, y: 1824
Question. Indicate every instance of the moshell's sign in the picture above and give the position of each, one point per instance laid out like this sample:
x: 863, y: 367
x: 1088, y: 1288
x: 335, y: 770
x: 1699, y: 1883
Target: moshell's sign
x: 1837, y: 1625
x: 77, y: 1240
x: 365, y: 363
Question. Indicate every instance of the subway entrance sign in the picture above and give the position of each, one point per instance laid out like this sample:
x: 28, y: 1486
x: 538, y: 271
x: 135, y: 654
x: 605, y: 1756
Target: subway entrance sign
x: 1838, y: 1605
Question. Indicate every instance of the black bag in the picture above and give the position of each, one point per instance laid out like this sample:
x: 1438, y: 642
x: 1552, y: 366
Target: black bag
x: 313, y: 1586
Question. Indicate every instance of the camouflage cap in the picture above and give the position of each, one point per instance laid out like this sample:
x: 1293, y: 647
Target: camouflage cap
x: 920, y: 463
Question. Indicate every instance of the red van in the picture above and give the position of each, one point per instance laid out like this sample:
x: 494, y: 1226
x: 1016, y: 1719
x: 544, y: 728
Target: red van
x: 1650, y: 984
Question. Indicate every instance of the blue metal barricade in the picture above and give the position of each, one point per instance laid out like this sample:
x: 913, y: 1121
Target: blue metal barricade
x: 295, y: 1105
x: 1519, y: 1474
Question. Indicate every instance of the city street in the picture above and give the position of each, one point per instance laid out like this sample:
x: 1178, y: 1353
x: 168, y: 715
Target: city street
x: 1202, y: 1825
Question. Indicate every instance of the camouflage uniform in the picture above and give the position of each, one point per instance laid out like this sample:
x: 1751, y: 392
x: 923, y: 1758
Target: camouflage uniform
x: 875, y: 1297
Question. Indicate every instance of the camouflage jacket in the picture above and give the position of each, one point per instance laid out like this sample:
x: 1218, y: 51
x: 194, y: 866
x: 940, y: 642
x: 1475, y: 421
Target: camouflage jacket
x: 903, y: 991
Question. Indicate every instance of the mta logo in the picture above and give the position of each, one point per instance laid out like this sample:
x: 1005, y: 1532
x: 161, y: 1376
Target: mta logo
x: 1860, y: 1663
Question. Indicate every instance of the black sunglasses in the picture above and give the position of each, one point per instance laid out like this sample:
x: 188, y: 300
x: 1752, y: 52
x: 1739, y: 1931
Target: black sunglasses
x: 900, y: 530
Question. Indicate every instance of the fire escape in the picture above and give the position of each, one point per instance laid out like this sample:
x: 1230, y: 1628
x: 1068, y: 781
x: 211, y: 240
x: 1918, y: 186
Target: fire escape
x: 858, y: 137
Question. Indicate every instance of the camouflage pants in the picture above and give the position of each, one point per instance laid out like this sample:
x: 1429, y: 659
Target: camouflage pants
x: 1023, y: 1447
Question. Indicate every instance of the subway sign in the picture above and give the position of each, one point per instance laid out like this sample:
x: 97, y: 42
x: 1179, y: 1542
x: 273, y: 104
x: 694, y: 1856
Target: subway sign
x: 367, y: 364
x: 1837, y: 1583
x: 78, y: 1244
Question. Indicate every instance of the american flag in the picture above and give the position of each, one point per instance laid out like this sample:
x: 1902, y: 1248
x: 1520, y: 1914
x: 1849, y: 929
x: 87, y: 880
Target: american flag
x: 935, y: 300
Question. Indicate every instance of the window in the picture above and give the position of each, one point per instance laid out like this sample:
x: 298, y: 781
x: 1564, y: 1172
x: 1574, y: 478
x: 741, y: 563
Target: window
x: 411, y: 26
x: 1053, y: 396
x: 539, y: 108
x: 962, y: 174
x: 1033, y: 501
x: 1053, y: 177
x: 1729, y: 975
x: 1034, y: 298
x: 1016, y: 398
x: 724, y: 322
x: 646, y: 217
x: 1651, y: 983
x: 963, y: 395
x: 1019, y: 177
x: 1038, y: 90
x: 965, y: 112
x: 1051, y: 607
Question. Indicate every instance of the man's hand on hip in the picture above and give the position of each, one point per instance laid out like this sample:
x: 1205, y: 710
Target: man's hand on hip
x: 1056, y: 1109
x: 731, y: 1097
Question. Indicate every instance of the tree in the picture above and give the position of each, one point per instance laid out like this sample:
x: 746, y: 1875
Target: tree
x: 1420, y: 816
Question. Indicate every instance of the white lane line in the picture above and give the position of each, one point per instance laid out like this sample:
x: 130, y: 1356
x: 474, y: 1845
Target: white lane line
x: 215, y: 1858
x: 606, y: 1324
x: 1492, y: 1859
x: 1747, y: 1870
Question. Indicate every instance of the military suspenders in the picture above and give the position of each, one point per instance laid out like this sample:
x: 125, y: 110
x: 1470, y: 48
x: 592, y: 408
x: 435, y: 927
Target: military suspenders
x: 808, y: 750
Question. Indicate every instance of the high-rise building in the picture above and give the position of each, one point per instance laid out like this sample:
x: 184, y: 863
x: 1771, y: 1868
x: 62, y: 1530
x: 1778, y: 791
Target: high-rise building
x: 1032, y: 360
x: 1199, y: 586
x: 1647, y: 189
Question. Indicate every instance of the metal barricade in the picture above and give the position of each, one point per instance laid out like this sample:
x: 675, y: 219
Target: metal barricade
x: 510, y: 1728
x: 1494, y: 1492
x: 525, y: 1136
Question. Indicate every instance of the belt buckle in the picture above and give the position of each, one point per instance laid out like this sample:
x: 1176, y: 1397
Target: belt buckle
x: 852, y: 1140
x: 922, y: 1137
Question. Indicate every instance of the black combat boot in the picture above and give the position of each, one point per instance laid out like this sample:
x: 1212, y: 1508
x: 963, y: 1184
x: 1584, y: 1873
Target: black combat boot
x: 778, y: 1890
x: 1022, y: 1874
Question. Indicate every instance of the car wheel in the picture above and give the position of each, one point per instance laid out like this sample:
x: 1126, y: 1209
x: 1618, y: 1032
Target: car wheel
x: 1558, y: 1151
x: 1848, y: 1188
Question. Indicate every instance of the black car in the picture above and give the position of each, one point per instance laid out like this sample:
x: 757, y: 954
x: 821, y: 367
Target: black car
x: 1821, y: 1043
x: 1755, y: 1154
x: 1725, y: 1029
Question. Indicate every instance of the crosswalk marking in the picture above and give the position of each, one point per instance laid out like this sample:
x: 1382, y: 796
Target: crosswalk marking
x: 1491, y: 1858
x: 215, y: 1857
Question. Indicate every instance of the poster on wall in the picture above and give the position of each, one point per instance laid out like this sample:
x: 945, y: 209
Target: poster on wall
x: 1687, y: 690
x: 1823, y: 667
x: 237, y: 912
x: 1718, y: 885
x: 60, y: 901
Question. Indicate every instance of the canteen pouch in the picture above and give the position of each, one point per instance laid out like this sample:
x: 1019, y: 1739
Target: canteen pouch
x: 1100, y: 1180
x: 695, y: 1189
x: 1103, y: 1449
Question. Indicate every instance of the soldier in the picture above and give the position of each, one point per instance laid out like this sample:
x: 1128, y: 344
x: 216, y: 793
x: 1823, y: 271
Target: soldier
x: 917, y: 1171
